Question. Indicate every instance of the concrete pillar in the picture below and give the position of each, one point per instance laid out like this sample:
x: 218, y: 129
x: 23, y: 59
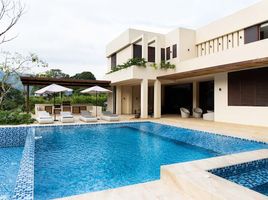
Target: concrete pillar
x: 195, y: 94
x: 144, y: 47
x: 157, y: 99
x: 157, y: 52
x: 118, y: 100
x: 144, y: 98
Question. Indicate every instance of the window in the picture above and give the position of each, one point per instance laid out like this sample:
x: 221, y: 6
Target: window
x: 113, y: 61
x: 168, y: 53
x: 151, y: 54
x: 174, y: 51
x: 264, y: 31
x: 137, y: 51
x: 248, y: 88
x: 163, y: 52
x: 251, y: 34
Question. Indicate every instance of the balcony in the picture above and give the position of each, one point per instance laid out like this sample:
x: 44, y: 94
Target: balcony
x: 136, y: 73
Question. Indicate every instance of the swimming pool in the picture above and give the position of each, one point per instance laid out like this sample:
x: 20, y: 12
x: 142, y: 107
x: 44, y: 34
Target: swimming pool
x: 75, y: 159
x: 9, y: 166
x: 253, y: 175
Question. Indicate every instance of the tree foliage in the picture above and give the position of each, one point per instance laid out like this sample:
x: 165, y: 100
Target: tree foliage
x: 84, y: 76
x: 54, y: 73
x: 11, y: 67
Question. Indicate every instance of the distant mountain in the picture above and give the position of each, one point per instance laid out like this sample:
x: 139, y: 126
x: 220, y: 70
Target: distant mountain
x: 13, y: 80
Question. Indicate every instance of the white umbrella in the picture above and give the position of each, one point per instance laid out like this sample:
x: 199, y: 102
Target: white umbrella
x: 95, y: 90
x: 52, y: 89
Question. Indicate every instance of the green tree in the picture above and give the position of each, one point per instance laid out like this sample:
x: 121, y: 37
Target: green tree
x: 11, y: 67
x: 54, y: 73
x: 14, y: 100
x: 84, y: 76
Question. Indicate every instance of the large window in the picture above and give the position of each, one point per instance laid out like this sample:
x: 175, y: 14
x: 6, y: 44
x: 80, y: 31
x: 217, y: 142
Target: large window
x: 257, y: 32
x: 168, y: 53
x: 264, y: 31
x: 251, y: 34
x: 248, y: 88
x: 174, y: 51
x: 137, y: 51
x: 113, y: 60
x: 151, y: 54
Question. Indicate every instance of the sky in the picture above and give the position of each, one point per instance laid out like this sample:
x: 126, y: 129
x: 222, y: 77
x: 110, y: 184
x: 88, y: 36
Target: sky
x: 71, y: 35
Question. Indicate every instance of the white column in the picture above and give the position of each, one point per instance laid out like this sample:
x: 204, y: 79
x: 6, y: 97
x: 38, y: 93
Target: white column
x: 157, y: 99
x: 195, y: 94
x: 144, y: 98
x: 144, y: 47
x: 118, y: 100
x: 157, y: 52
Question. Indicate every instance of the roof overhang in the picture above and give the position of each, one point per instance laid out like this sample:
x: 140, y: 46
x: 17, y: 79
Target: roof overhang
x: 40, y: 81
x: 260, y: 62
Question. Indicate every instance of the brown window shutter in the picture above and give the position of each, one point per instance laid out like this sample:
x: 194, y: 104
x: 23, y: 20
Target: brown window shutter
x: 234, y: 90
x: 113, y: 60
x: 137, y: 51
x: 174, y: 51
x: 151, y: 54
x: 248, y: 87
x: 168, y: 53
x: 163, y: 52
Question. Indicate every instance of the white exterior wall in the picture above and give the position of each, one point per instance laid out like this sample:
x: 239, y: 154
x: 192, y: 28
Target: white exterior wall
x: 222, y: 42
x: 235, y: 114
x: 242, y: 19
x: 126, y: 100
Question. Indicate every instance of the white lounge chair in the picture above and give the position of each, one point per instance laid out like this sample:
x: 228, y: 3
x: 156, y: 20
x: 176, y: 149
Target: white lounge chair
x: 209, y: 116
x: 108, y: 116
x: 87, y: 117
x: 197, y: 112
x: 184, y: 113
x: 66, y: 117
x: 43, y: 117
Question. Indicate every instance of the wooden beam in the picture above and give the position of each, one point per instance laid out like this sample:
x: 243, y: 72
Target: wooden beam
x: 249, y: 64
x: 27, y: 98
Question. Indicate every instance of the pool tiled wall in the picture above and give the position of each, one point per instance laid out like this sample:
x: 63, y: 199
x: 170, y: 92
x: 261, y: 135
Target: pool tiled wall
x: 250, y: 174
x: 25, y: 181
x: 13, y: 136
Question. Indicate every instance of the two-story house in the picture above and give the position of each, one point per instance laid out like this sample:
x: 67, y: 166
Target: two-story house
x: 222, y: 67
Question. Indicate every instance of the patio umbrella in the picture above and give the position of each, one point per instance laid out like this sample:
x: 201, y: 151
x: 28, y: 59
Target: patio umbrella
x: 95, y: 90
x: 52, y: 89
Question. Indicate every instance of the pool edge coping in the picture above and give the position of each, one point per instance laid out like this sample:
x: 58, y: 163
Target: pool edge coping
x: 194, y: 178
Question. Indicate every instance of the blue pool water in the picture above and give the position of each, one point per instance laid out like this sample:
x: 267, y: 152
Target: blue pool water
x: 77, y: 159
x: 9, y: 166
x: 253, y: 175
x: 100, y: 158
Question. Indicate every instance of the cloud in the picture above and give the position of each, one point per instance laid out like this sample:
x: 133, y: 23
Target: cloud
x: 72, y: 34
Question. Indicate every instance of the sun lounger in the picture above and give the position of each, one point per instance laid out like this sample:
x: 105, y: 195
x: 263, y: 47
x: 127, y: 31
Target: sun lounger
x: 108, y: 116
x: 66, y: 117
x: 43, y: 117
x: 87, y: 117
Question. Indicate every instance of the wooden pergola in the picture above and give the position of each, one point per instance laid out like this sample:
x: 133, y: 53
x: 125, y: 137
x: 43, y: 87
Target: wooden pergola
x: 40, y: 81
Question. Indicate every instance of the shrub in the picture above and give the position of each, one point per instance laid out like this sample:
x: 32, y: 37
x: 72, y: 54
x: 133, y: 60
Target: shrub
x: 141, y: 62
x: 15, y: 118
x: 166, y: 65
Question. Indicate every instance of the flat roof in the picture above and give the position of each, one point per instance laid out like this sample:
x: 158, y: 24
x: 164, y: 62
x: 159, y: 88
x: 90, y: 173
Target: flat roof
x: 63, y: 81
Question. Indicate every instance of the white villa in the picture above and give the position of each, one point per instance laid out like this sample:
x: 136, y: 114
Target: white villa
x: 222, y: 67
